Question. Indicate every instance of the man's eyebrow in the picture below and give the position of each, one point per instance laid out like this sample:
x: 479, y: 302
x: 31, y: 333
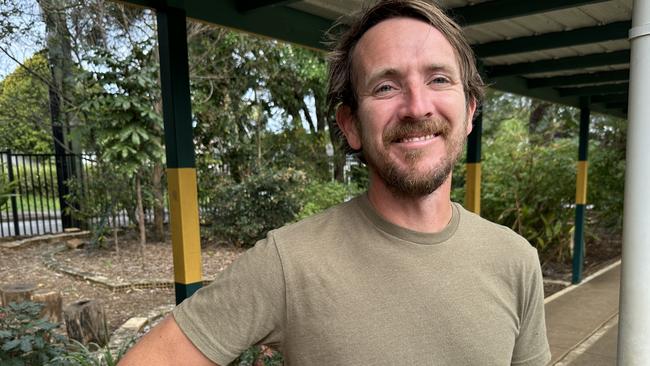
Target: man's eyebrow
x: 441, y: 67
x: 392, y: 72
x: 380, y: 74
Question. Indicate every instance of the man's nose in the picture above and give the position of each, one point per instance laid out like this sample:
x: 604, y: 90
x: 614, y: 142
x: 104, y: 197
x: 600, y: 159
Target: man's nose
x: 417, y: 102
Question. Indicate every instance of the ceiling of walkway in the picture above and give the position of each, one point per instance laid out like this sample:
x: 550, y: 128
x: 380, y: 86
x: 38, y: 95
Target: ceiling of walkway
x: 556, y: 50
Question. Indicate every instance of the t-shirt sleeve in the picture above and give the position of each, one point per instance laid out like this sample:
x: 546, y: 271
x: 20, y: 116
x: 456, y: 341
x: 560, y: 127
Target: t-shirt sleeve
x: 531, y: 345
x: 244, y: 306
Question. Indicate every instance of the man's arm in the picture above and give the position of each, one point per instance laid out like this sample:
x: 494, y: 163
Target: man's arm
x: 165, y: 344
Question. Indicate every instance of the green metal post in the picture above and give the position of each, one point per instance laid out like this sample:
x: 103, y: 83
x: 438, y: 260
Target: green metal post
x: 179, y: 147
x: 581, y: 192
x: 473, y: 166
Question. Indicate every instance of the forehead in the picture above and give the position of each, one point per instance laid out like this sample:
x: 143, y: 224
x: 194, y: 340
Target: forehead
x: 401, y: 43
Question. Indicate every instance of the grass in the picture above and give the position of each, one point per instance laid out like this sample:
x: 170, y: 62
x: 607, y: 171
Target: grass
x: 34, y: 203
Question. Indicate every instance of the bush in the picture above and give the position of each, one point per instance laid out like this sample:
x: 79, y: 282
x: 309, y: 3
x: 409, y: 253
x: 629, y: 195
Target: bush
x: 531, y: 188
x: 242, y: 213
x: 259, y: 356
x: 26, y: 338
x: 81, y: 355
x: 319, y: 195
x: 104, y: 195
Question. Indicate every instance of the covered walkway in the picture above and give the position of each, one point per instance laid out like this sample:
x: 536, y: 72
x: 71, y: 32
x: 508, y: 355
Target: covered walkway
x: 582, y: 320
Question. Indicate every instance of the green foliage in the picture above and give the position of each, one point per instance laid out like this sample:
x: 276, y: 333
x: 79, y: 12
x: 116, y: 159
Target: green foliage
x: 24, y: 108
x: 607, y: 171
x: 319, y: 195
x: 120, y: 97
x: 531, y: 188
x: 6, y: 190
x: 259, y: 356
x: 105, y: 193
x: 242, y: 213
x: 80, y: 355
x: 26, y: 338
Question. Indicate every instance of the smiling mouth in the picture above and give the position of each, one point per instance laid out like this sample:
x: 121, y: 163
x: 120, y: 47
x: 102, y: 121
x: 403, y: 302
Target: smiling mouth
x: 418, y: 138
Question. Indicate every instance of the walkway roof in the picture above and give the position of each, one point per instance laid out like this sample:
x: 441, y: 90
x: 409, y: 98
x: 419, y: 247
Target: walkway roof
x: 555, y: 50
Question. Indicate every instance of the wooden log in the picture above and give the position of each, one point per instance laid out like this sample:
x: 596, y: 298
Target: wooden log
x: 85, y: 322
x: 17, y: 292
x: 52, y: 304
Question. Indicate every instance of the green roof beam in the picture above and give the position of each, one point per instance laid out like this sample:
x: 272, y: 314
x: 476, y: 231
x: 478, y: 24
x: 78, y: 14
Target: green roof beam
x: 517, y: 85
x: 580, y: 79
x: 595, y: 90
x: 559, y: 64
x: 504, y: 9
x: 278, y: 22
x: 575, y: 37
x: 249, y: 5
x: 616, y: 105
x: 607, y: 98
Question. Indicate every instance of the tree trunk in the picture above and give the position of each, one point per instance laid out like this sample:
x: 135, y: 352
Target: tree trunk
x: 17, y: 292
x: 158, y: 202
x: 140, y: 208
x: 157, y: 186
x: 85, y: 322
x: 59, y: 55
x: 52, y: 304
x: 536, y: 115
x: 339, y: 152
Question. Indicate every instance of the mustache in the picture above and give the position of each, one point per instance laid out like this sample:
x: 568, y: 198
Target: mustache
x: 415, y: 128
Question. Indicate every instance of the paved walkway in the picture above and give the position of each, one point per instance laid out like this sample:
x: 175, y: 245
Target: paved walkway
x: 582, y: 321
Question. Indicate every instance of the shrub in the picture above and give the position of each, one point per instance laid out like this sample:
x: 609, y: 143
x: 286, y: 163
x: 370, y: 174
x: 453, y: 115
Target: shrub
x: 531, y: 188
x: 242, y: 213
x: 319, y: 195
x: 81, y: 355
x: 104, y: 195
x: 26, y: 338
x: 259, y: 356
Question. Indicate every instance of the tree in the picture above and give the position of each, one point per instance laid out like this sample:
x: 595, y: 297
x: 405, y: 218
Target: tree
x: 274, y: 82
x: 24, y: 110
x: 121, y: 94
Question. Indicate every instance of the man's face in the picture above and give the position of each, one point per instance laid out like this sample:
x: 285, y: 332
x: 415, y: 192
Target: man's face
x: 412, y: 119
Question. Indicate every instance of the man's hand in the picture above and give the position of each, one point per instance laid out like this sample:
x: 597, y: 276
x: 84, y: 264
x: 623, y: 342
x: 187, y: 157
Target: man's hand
x: 165, y: 344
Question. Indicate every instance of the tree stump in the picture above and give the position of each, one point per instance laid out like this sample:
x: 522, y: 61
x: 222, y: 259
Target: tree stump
x: 17, y: 292
x: 52, y: 304
x: 85, y: 322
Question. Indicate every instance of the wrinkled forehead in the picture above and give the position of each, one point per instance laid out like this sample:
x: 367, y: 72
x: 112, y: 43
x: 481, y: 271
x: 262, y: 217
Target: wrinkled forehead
x: 401, y: 41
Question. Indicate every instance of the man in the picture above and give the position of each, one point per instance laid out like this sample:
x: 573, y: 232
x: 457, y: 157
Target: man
x: 400, y: 275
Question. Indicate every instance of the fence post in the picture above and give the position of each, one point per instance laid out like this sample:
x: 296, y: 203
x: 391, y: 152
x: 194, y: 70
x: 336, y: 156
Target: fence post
x: 14, y: 202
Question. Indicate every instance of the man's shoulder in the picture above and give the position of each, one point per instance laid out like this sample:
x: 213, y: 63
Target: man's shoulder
x: 319, y: 229
x: 497, y: 237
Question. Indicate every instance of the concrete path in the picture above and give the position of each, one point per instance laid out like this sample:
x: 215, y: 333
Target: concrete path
x: 582, y: 321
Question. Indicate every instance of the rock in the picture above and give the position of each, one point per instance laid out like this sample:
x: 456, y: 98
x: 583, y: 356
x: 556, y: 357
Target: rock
x: 74, y: 243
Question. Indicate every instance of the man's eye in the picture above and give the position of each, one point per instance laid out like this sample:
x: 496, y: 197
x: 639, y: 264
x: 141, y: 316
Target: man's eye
x: 385, y: 88
x: 439, y: 80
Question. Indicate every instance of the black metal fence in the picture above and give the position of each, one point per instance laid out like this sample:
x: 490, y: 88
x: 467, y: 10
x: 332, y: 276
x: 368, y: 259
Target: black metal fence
x: 37, y: 203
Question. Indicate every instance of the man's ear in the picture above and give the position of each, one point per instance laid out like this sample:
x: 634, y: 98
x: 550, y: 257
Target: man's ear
x: 347, y: 123
x: 471, y: 109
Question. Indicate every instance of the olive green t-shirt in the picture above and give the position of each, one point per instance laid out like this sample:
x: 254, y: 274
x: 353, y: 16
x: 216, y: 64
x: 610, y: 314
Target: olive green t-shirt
x: 347, y: 287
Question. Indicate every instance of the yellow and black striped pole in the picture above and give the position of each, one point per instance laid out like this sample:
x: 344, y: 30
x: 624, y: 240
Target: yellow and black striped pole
x: 581, y: 192
x: 179, y: 147
x: 473, y: 165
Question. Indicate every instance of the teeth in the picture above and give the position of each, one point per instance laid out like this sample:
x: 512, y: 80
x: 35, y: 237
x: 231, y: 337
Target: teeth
x: 420, y: 138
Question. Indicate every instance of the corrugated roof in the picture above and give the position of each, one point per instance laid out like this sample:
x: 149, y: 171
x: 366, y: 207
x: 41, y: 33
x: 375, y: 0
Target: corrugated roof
x: 572, y: 43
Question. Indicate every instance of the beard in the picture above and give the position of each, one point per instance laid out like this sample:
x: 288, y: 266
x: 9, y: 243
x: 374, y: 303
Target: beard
x: 407, y: 181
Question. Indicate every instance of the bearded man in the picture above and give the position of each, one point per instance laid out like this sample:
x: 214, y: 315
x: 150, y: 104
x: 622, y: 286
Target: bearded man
x: 397, y: 276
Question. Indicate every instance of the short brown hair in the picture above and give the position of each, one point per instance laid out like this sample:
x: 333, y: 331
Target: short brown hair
x: 340, y: 89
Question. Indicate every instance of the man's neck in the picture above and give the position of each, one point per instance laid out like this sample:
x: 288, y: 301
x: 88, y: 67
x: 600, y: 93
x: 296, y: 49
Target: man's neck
x: 428, y: 214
